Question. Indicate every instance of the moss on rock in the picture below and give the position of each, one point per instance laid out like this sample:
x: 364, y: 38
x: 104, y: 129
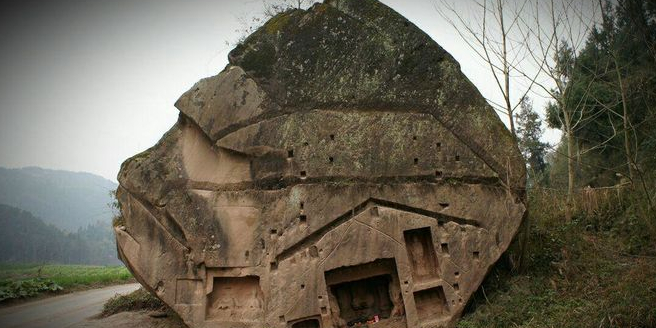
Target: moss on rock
x: 362, y: 54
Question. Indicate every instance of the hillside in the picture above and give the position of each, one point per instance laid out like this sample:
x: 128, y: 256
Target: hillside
x: 27, y: 239
x: 599, y: 270
x: 67, y: 200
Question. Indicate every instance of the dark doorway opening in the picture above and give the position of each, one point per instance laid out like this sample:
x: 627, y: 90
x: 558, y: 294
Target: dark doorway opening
x: 309, y: 323
x: 365, y: 293
x: 362, y: 300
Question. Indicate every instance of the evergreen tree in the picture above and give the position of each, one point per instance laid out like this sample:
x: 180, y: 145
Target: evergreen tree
x: 27, y: 239
x: 529, y: 131
x: 617, y: 70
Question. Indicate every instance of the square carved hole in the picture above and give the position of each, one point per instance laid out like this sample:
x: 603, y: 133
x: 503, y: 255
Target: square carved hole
x: 235, y: 299
x: 445, y: 248
x: 431, y: 303
x: 314, y: 252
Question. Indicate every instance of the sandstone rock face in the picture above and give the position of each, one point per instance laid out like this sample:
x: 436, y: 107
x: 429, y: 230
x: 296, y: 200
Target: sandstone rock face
x: 340, y: 169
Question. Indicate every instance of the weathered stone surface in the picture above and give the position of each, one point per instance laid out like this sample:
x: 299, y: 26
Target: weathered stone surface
x: 341, y: 167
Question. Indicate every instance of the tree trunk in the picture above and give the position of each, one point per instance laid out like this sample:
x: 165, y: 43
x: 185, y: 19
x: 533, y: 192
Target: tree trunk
x: 571, y: 170
x: 626, y: 125
x: 506, y: 71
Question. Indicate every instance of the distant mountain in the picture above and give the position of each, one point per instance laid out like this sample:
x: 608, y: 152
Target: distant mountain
x: 27, y: 239
x: 67, y: 200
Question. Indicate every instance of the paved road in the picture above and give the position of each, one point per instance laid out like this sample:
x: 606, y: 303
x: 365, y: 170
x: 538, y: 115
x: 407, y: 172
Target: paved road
x: 60, y: 311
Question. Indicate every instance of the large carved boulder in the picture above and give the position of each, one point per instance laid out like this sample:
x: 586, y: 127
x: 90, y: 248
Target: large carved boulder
x: 340, y: 169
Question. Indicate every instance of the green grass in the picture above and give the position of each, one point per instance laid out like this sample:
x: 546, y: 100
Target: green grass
x: 66, y: 275
x: 597, y: 271
x: 19, y: 280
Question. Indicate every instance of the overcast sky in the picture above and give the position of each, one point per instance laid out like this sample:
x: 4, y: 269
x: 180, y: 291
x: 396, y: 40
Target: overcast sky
x: 86, y: 84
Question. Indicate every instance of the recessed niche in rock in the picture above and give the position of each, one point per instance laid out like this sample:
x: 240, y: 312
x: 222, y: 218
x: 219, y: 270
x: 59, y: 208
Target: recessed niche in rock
x: 341, y: 169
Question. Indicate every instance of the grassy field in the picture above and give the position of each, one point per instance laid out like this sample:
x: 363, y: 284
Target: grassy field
x: 28, y: 280
x: 66, y: 276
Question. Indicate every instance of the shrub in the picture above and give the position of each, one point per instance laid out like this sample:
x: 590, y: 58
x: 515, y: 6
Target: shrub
x: 26, y: 288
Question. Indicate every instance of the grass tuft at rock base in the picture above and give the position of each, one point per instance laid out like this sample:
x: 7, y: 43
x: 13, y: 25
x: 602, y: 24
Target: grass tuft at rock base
x: 138, y: 300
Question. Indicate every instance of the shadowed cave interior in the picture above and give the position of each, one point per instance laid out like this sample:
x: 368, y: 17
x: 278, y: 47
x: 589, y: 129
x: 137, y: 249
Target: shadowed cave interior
x: 360, y: 293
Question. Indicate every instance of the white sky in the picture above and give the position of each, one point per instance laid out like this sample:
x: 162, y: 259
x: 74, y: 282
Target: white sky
x: 87, y: 84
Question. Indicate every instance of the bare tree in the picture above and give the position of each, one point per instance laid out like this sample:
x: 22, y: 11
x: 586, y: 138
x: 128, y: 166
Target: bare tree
x: 532, y: 46
x: 558, y: 30
x: 494, y: 34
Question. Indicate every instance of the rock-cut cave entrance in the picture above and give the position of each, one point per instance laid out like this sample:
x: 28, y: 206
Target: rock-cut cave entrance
x: 308, y: 323
x: 365, y: 293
